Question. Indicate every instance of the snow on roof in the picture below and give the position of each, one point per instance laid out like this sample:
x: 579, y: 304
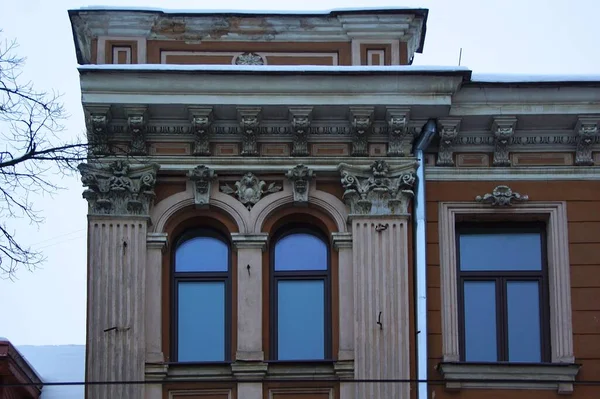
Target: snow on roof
x: 62, y: 363
x: 250, y: 12
x: 271, y: 68
x: 527, y: 78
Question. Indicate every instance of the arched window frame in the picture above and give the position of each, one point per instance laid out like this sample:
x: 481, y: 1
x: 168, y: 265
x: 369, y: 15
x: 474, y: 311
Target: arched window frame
x: 177, y: 277
x: 276, y: 276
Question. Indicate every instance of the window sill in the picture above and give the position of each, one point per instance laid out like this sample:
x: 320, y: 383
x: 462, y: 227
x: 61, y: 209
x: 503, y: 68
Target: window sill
x: 556, y: 376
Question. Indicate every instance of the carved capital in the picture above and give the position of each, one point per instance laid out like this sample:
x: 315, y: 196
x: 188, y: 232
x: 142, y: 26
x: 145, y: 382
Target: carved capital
x: 249, y: 189
x: 397, y: 119
x: 201, y: 120
x: 249, y: 118
x: 202, y: 176
x: 503, y: 128
x: 586, y: 130
x: 448, y: 133
x: 300, y: 177
x: 361, y: 119
x: 300, y: 119
x: 118, y: 188
x: 378, y: 190
x: 137, y: 120
x: 249, y: 59
x: 97, y: 120
x: 501, y: 196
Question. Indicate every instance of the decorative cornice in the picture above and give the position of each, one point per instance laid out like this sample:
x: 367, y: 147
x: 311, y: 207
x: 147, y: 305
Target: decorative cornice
x: 397, y: 119
x: 503, y: 128
x: 118, y: 189
x: 586, y: 130
x: 249, y: 189
x: 362, y: 121
x: 201, y: 120
x: 300, y: 177
x: 249, y: 119
x: 202, y: 176
x: 448, y: 133
x: 137, y: 120
x: 300, y: 118
x: 378, y: 190
x: 501, y: 196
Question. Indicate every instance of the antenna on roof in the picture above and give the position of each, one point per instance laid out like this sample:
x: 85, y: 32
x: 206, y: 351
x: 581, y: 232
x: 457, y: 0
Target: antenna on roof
x: 459, y: 56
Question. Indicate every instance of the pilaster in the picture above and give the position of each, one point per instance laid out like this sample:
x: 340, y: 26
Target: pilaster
x: 249, y: 302
x: 155, y: 244
x: 119, y: 199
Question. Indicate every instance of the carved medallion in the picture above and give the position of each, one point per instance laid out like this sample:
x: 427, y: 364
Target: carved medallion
x: 249, y: 59
x: 501, y: 196
x: 118, y: 189
x: 249, y: 190
x: 379, y: 190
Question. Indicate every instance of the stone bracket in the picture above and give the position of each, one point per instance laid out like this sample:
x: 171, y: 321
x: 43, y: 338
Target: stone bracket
x: 361, y: 119
x: 300, y: 118
x: 586, y: 130
x: 449, y: 129
x: 201, y: 120
x: 137, y: 121
x: 300, y: 177
x: 249, y: 120
x: 98, y: 118
x: 398, y: 123
x: 503, y: 128
x: 202, y: 177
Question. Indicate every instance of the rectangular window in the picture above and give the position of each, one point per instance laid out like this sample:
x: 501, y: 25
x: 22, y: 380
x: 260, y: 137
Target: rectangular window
x: 502, y: 284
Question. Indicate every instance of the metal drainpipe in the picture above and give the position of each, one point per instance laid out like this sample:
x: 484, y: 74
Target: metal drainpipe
x: 421, y: 143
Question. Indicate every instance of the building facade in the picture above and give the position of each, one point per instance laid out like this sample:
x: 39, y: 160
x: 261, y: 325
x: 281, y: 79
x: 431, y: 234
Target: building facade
x: 281, y: 206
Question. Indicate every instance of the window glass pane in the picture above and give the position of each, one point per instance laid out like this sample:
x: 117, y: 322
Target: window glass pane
x: 201, y: 324
x: 480, y: 321
x: 202, y: 254
x: 523, y: 305
x: 301, y: 319
x: 300, y: 251
x: 511, y: 251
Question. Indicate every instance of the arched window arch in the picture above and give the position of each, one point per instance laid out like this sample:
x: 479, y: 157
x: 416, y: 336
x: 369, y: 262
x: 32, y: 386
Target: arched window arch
x: 301, y: 299
x: 201, y: 297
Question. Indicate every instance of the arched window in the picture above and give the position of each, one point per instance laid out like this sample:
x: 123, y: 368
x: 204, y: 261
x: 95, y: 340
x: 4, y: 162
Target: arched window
x: 301, y: 325
x: 201, y: 287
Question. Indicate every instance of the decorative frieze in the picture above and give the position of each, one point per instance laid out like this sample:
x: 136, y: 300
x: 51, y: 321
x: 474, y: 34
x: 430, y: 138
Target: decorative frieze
x: 300, y: 177
x: 201, y: 120
x: 503, y: 128
x: 137, y: 121
x: 501, y: 196
x: 97, y: 121
x: 249, y: 189
x: 397, y: 119
x: 249, y: 119
x: 300, y: 119
x: 378, y: 190
x: 586, y: 131
x: 118, y: 188
x: 361, y: 119
x: 202, y: 176
x: 448, y: 133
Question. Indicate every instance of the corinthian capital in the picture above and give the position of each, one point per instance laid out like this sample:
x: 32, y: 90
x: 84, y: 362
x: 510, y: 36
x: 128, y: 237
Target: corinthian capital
x: 118, y: 189
x: 378, y: 190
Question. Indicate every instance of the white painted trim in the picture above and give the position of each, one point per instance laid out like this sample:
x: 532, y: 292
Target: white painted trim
x: 355, y: 52
x: 395, y: 49
x: 371, y: 53
x: 438, y: 173
x: 101, y: 47
x: 115, y: 54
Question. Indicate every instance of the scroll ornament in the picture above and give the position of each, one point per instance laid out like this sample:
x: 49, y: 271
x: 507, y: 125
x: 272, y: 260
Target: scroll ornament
x: 501, y: 196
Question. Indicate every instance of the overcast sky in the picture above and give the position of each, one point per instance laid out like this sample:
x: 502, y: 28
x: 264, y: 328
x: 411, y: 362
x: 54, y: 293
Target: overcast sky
x: 47, y: 306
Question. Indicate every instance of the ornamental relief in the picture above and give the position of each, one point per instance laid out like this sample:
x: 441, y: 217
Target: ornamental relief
x: 250, y: 189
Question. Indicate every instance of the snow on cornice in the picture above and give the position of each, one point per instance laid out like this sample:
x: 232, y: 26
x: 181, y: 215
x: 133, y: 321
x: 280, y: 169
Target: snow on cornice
x: 252, y: 12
